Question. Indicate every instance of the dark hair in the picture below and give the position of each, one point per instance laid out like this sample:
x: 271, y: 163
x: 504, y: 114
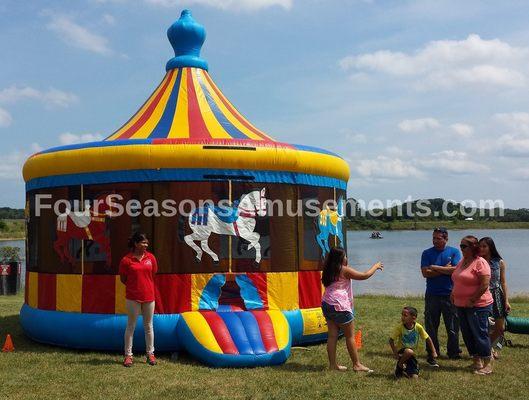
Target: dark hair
x: 136, y: 237
x: 492, y: 247
x: 332, y: 266
x: 442, y: 230
x: 412, y: 310
x: 473, y: 243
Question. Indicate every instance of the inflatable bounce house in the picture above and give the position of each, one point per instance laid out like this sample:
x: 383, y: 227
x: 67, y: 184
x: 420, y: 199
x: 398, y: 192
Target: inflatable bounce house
x: 236, y: 286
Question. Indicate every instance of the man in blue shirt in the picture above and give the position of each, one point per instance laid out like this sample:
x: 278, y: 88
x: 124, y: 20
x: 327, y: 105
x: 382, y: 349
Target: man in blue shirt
x: 437, y: 264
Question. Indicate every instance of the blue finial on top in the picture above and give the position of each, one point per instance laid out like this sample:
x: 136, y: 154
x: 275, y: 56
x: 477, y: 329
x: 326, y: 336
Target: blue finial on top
x: 187, y: 37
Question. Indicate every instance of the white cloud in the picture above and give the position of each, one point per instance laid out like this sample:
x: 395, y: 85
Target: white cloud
x: 515, y: 142
x: 353, y: 137
x: 70, y: 138
x: 450, y: 63
x: 5, y: 118
x: 383, y: 168
x: 462, y: 130
x: 11, y: 165
x: 51, y: 97
x: 249, y: 5
x: 515, y: 122
x: 521, y: 174
x: 109, y: 19
x: 78, y: 36
x: 418, y: 125
x: 399, y: 165
x: 395, y: 151
x: 513, y: 145
x: 453, y: 162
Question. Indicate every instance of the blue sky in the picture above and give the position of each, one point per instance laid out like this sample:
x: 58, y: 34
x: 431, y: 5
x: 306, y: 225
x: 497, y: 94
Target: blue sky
x: 422, y: 98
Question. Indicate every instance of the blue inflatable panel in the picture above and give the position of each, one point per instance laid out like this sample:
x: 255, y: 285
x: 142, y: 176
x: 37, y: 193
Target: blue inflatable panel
x: 96, y: 331
x: 252, y: 332
x: 245, y: 333
x: 238, y: 334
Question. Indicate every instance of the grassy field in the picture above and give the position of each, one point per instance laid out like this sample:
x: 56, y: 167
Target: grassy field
x: 12, y: 229
x: 36, y: 371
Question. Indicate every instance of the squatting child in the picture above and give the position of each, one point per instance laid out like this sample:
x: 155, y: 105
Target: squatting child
x: 404, y: 342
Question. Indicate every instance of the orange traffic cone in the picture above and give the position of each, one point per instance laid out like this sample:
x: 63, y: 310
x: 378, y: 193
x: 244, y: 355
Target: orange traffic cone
x: 8, y: 345
x: 358, y: 339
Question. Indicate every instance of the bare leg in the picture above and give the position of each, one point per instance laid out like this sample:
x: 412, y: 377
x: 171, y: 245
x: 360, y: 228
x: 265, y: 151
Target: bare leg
x: 406, y: 355
x: 332, y: 339
x: 499, y: 328
x: 487, y: 366
x: 478, y: 364
x: 348, y: 330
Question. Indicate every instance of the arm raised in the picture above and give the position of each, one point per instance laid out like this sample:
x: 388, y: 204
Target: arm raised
x: 352, y: 273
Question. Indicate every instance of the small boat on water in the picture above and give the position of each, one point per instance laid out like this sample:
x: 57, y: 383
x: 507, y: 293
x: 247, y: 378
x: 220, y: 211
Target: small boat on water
x: 376, y: 235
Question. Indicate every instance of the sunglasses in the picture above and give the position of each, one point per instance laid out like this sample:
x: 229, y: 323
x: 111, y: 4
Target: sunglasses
x: 463, y: 246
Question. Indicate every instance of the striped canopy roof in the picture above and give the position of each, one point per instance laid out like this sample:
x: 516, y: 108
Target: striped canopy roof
x: 187, y: 105
x: 187, y: 124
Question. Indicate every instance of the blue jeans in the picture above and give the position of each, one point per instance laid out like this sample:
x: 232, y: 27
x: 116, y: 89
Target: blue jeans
x: 475, y: 329
x: 434, y: 307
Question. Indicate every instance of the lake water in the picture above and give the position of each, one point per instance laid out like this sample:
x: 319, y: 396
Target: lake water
x: 400, y: 251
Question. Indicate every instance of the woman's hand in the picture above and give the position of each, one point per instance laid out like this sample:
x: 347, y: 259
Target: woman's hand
x: 507, y: 307
x: 470, y: 303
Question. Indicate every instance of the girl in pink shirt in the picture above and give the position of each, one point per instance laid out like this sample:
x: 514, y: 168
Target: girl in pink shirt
x: 471, y: 296
x: 337, y: 305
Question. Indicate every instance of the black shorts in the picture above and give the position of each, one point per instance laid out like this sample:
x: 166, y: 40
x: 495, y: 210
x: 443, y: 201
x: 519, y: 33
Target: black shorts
x: 412, y: 365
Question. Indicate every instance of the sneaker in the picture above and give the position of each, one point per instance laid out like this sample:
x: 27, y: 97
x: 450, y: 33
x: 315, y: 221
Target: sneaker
x: 432, y: 363
x: 128, y: 361
x: 151, y: 360
x: 454, y: 357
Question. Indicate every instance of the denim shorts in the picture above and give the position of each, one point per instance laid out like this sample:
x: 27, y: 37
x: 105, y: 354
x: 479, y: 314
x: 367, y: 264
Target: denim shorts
x: 339, y: 317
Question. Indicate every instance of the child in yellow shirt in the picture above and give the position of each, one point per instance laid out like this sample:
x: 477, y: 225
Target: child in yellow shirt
x: 404, y: 342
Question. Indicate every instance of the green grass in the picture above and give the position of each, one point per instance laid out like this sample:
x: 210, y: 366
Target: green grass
x: 12, y: 229
x: 36, y: 371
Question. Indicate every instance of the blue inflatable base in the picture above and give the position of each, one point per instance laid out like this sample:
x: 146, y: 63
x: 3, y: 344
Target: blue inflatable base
x: 105, y: 332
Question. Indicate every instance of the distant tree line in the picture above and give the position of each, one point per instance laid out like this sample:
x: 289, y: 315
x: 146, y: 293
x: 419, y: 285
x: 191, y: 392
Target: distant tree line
x: 11, y: 213
x: 433, y: 209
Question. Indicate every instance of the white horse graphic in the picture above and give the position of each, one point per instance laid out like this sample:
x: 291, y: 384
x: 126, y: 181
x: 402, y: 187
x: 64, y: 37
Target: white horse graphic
x: 238, y: 220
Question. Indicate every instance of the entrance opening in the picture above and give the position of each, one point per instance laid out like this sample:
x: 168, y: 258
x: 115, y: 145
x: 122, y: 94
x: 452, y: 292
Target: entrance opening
x: 230, y: 295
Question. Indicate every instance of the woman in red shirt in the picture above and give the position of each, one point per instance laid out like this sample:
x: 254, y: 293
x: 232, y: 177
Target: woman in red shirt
x: 471, y: 296
x: 137, y: 271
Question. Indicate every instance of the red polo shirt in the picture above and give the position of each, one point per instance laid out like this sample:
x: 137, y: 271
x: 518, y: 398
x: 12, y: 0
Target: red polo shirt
x: 140, y: 276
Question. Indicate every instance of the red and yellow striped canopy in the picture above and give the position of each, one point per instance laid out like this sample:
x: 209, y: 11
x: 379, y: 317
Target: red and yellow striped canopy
x: 188, y: 105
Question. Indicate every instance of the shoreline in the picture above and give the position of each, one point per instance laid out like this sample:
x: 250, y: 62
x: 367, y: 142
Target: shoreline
x: 11, y: 239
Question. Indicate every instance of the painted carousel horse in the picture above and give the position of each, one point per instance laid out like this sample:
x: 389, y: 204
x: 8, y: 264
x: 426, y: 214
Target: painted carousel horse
x: 238, y: 220
x: 83, y: 225
x: 330, y: 223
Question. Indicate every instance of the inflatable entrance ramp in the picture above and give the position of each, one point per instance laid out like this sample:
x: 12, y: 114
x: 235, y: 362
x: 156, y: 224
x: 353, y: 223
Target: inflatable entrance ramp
x: 236, y: 338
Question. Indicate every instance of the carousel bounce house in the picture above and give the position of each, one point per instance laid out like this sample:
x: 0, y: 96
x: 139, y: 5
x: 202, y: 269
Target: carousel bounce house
x: 236, y: 287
